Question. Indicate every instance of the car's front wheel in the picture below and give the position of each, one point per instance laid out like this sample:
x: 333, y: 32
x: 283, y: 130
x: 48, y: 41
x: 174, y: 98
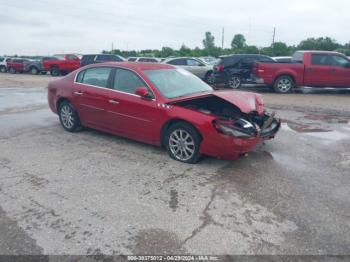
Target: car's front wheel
x: 183, y: 143
x: 34, y: 70
x: 235, y: 82
x: 69, y: 117
x: 3, y: 69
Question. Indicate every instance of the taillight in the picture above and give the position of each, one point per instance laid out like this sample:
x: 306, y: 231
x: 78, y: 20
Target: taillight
x: 219, y: 68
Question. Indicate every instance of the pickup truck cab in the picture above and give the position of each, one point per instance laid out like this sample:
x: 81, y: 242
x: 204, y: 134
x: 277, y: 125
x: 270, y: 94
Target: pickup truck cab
x: 308, y: 68
x: 61, y: 64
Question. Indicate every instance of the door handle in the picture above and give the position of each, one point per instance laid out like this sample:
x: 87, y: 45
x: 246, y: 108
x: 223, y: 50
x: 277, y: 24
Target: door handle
x: 112, y: 101
x: 333, y: 70
x: 78, y: 93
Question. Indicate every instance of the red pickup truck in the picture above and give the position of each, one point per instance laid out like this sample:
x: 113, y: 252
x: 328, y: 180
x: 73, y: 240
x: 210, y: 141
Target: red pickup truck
x: 308, y: 68
x: 61, y: 64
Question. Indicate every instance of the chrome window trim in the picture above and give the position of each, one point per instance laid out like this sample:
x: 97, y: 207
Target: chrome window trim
x: 118, y: 91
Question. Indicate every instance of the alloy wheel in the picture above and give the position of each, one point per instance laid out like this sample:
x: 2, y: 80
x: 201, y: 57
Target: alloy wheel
x: 67, y: 116
x: 181, y: 144
x: 284, y: 85
x: 234, y: 82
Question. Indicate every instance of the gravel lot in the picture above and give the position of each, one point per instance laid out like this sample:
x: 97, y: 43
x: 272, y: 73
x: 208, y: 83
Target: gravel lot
x: 93, y: 193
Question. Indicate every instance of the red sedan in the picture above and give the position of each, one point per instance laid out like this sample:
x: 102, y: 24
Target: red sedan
x: 162, y: 105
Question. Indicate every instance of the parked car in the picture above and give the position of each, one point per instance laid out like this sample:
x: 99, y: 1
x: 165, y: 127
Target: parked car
x: 208, y: 60
x: 3, y: 64
x: 195, y: 66
x: 61, y: 64
x: 282, y: 59
x: 16, y: 65
x: 309, y: 68
x: 34, y: 67
x: 144, y: 59
x: 234, y: 70
x: 162, y: 105
x: 100, y: 58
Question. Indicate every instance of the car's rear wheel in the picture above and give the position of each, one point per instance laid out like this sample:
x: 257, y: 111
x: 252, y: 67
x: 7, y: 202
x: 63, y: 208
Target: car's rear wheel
x: 12, y: 70
x: 284, y: 84
x: 3, y: 69
x: 55, y: 71
x: 34, y: 70
x: 69, y: 117
x: 235, y: 82
x: 209, y: 78
x: 183, y: 143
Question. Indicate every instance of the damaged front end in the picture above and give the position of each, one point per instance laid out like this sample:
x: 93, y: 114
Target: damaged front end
x: 253, y: 125
x: 241, y: 117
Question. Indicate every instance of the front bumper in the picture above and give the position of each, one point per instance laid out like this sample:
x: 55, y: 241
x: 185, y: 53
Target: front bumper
x: 229, y: 147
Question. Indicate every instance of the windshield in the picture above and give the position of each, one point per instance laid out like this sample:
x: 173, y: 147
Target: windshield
x: 173, y: 83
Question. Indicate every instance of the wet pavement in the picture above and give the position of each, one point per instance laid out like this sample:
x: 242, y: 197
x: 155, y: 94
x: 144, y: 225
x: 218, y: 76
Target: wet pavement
x: 93, y: 193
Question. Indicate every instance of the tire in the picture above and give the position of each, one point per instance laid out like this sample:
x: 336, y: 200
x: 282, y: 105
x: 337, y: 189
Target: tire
x: 209, y: 78
x: 55, y: 71
x: 68, y: 116
x: 234, y: 82
x: 34, y: 70
x: 3, y: 69
x: 283, y: 84
x: 12, y: 70
x: 182, y: 143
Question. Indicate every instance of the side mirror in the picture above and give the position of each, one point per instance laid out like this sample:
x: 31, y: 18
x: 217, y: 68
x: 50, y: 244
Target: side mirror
x: 143, y: 92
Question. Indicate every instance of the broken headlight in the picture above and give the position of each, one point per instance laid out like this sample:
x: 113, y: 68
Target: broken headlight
x: 237, y: 128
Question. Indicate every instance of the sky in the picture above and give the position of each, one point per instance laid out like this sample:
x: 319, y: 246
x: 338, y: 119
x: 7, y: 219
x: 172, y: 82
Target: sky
x: 46, y: 27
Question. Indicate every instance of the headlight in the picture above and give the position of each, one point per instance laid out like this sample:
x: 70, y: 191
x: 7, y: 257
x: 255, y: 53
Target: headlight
x: 237, y: 128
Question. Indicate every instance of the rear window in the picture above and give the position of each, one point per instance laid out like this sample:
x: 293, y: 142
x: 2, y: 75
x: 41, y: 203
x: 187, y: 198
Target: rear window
x: 298, y: 57
x: 149, y: 60
x: 97, y: 76
x: 229, y: 60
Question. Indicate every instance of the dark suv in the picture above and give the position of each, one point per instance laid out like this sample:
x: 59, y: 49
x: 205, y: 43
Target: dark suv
x: 100, y: 58
x: 234, y: 70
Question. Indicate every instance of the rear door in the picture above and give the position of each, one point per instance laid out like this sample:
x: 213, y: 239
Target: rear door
x: 91, y: 96
x: 340, y: 71
x: 319, y: 71
x: 72, y: 62
x: 196, y: 67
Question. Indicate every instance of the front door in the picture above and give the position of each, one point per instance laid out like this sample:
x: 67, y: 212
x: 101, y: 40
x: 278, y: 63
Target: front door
x: 340, y: 70
x: 319, y: 72
x: 129, y: 114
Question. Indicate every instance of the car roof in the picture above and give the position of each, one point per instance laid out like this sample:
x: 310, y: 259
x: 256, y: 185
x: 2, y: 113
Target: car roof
x: 241, y: 55
x: 318, y: 52
x: 135, y: 66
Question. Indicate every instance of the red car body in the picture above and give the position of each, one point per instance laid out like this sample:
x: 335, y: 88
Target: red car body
x: 310, y: 68
x: 63, y: 64
x: 15, y: 65
x: 147, y: 120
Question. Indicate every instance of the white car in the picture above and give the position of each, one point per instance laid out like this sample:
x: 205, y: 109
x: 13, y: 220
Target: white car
x: 3, y: 64
x: 196, y: 66
x: 143, y: 59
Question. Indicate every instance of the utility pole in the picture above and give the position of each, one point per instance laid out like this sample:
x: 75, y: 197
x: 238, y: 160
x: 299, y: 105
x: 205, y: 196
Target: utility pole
x: 112, y: 48
x: 273, y: 40
x: 222, y: 38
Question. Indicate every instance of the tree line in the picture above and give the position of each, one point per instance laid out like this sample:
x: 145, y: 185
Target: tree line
x: 239, y: 46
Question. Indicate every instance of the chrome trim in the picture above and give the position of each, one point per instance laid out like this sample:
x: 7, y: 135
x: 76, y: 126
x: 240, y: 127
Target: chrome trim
x: 93, y: 107
x: 76, y: 75
x: 112, y: 101
x: 134, y: 117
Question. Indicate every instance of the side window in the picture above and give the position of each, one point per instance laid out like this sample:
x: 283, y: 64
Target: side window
x: 320, y: 59
x: 337, y: 60
x: 192, y: 62
x: 1, y: 59
x: 72, y: 57
x: 127, y: 81
x: 265, y: 59
x: 132, y: 59
x: 178, y: 62
x: 97, y: 76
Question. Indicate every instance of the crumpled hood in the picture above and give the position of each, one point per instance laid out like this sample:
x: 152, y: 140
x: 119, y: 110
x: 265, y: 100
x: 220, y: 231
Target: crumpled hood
x: 245, y: 101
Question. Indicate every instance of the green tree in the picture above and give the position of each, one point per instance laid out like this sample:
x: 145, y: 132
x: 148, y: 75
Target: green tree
x: 167, y: 51
x: 321, y: 43
x: 208, y: 41
x: 185, y: 51
x: 238, y: 41
x: 281, y: 49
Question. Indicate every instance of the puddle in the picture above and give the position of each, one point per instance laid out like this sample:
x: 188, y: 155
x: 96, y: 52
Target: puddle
x: 327, y: 118
x: 303, y: 128
x: 331, y: 135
